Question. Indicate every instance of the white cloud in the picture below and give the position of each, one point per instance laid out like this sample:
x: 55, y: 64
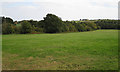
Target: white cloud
x: 0, y: 8
x: 66, y: 9
x: 12, y: 0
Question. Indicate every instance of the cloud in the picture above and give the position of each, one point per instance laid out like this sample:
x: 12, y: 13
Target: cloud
x: 0, y: 8
x: 66, y: 9
x: 105, y: 4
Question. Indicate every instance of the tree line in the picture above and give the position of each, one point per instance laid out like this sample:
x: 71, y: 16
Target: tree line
x: 54, y: 24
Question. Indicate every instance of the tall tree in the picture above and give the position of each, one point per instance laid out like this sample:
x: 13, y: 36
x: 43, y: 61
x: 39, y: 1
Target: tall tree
x: 53, y: 24
x: 26, y: 27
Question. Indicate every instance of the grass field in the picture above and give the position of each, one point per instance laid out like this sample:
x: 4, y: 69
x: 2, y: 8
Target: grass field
x: 94, y: 50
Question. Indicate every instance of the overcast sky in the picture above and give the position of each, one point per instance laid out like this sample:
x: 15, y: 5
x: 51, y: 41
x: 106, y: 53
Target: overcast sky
x: 66, y: 9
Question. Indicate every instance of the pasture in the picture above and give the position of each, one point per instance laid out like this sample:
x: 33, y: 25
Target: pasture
x: 92, y: 50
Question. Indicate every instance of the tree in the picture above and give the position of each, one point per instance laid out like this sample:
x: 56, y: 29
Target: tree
x: 7, y: 28
x: 7, y: 20
x: 26, y: 27
x: 53, y: 24
x: 91, y: 25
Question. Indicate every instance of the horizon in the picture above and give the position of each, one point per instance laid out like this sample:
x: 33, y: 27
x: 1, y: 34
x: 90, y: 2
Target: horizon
x: 58, y: 16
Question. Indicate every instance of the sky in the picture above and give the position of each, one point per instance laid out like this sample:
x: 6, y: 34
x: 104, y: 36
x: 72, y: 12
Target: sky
x: 65, y: 9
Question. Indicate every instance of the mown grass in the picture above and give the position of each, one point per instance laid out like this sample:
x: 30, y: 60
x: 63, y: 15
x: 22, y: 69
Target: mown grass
x: 94, y: 50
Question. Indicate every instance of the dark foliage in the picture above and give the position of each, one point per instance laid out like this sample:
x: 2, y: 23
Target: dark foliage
x: 25, y: 27
x: 107, y: 24
x: 54, y: 24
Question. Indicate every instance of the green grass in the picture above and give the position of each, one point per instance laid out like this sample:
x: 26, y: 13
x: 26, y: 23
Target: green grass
x: 93, y: 50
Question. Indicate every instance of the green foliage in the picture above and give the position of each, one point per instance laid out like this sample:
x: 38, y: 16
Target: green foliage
x: 53, y: 24
x: 41, y: 24
x: 26, y: 27
x: 72, y: 28
x: 7, y: 20
x: 17, y: 29
x: 80, y: 27
x: 91, y: 25
x: 108, y: 24
x: 7, y: 28
x: 88, y: 28
x: 33, y: 23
